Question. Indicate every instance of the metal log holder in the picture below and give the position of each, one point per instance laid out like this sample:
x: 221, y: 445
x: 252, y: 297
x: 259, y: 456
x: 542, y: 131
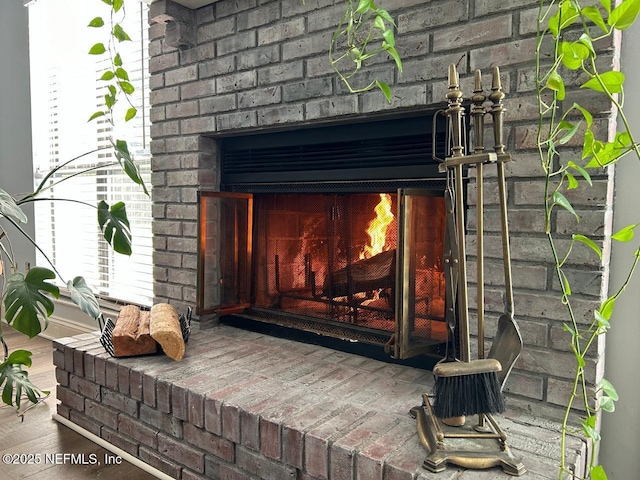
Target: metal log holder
x: 107, y: 325
x: 483, y: 444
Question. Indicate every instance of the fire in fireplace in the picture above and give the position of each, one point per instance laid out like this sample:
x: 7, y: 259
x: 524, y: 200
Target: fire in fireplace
x: 358, y: 259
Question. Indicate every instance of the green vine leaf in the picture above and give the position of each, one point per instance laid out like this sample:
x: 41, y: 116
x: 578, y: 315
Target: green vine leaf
x: 126, y: 87
x: 606, y: 386
x: 574, y: 166
x: 120, y: 34
x: 606, y: 309
x: 117, y: 60
x: 95, y: 115
x: 559, y: 199
x: 589, y: 428
x: 386, y: 90
x: 97, y: 49
x: 385, y: 15
x: 115, y: 226
x: 555, y: 83
x: 603, y: 323
x: 610, y: 152
x: 573, y: 54
x: 117, y: 5
x: 110, y: 101
x: 607, y: 404
x: 108, y: 75
x: 573, y: 183
x: 624, y: 15
x: 589, y: 243
x: 82, y: 296
x: 585, y: 113
x: 606, y: 4
x: 566, y: 286
x: 96, y: 22
x: 571, y: 131
x: 122, y: 74
x: 394, y: 54
x: 363, y: 6
x: 565, y: 16
x: 27, y: 304
x: 593, y: 14
x: 612, y: 81
x: 624, y: 234
x: 597, y: 473
x: 131, y: 113
x: 17, y: 379
x: 587, y: 42
x: 9, y: 208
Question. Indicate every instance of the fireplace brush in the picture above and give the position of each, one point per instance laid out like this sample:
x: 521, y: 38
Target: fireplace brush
x: 466, y: 386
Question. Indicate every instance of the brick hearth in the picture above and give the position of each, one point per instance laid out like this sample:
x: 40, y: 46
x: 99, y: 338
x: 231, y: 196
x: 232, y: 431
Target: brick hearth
x: 242, y: 405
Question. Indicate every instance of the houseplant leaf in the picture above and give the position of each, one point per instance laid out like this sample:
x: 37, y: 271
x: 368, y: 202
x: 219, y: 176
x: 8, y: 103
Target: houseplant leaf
x: 96, y: 22
x: 26, y: 301
x: 128, y: 164
x: 624, y: 15
x: 612, y: 81
x: 115, y: 226
x: 83, y: 296
x: 9, y: 209
x: 97, y: 49
x: 589, y: 243
x: 15, y: 379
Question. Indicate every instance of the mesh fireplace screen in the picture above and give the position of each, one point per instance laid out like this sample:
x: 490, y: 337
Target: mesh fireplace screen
x: 366, y: 266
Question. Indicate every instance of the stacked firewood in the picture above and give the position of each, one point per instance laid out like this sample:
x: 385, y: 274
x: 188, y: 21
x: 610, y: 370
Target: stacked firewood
x: 139, y: 332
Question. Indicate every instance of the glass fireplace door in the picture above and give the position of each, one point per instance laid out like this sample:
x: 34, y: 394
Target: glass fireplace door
x: 420, y: 287
x: 359, y: 266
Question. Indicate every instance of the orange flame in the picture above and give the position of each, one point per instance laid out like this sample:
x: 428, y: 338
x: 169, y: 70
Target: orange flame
x: 377, y: 229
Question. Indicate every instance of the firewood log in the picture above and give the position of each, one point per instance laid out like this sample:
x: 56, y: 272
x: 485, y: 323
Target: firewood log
x: 131, y: 334
x: 165, y: 329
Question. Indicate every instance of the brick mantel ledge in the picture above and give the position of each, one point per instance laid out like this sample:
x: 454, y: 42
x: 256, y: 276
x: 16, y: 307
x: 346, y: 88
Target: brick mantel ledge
x: 242, y: 405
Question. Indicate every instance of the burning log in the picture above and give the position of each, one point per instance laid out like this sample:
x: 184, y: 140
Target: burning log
x: 131, y: 335
x: 365, y: 275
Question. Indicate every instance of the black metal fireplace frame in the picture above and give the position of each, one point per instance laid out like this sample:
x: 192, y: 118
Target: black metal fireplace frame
x: 362, y: 157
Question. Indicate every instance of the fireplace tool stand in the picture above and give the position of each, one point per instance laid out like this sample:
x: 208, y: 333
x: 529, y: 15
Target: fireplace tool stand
x: 449, y: 440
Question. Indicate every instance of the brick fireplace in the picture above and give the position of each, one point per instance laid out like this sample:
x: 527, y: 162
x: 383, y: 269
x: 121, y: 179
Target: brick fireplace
x: 248, y: 69
x: 233, y: 76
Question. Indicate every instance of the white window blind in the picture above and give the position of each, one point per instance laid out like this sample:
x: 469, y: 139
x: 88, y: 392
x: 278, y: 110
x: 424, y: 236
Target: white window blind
x: 65, y: 93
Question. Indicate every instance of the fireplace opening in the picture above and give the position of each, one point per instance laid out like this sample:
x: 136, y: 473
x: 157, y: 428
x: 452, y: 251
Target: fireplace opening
x: 339, y: 237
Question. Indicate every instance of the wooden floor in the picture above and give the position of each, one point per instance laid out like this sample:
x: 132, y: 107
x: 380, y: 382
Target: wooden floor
x: 38, y: 436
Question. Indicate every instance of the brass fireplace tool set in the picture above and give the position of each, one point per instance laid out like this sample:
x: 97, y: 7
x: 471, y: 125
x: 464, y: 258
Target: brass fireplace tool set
x: 466, y: 386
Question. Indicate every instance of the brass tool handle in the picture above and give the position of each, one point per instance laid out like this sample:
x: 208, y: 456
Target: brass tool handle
x: 497, y: 112
x: 455, y: 113
x: 477, y: 112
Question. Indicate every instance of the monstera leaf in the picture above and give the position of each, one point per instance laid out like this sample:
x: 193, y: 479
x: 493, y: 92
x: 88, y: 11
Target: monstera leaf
x: 82, y: 296
x: 9, y: 209
x: 115, y: 226
x: 26, y: 303
x: 16, y: 380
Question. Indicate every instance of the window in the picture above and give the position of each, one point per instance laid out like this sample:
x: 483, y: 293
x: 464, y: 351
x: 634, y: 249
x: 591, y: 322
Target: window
x: 65, y: 93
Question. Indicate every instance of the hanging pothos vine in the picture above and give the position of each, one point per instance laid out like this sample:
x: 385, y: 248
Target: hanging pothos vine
x: 364, y: 32
x: 573, y: 30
